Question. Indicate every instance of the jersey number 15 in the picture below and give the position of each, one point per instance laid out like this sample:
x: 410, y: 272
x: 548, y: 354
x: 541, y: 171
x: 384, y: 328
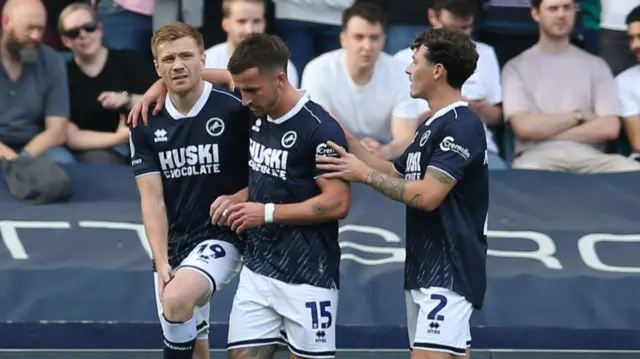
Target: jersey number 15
x: 320, y: 310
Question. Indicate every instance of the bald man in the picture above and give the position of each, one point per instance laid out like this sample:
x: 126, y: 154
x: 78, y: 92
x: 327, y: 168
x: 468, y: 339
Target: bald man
x: 34, y: 87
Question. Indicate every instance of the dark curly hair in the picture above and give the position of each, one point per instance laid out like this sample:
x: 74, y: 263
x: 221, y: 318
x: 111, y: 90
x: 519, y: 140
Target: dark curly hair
x: 452, y: 49
x: 265, y: 52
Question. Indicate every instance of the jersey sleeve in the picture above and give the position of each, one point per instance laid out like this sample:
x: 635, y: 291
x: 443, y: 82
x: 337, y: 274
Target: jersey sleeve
x: 400, y: 162
x: 329, y: 130
x: 457, y: 146
x: 143, y: 160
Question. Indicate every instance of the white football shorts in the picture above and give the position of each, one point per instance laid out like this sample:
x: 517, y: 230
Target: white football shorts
x: 438, y: 320
x: 263, y: 306
x: 219, y: 262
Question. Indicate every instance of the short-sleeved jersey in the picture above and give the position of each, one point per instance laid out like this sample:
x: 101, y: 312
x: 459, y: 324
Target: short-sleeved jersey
x: 282, y: 171
x: 447, y: 247
x: 199, y: 156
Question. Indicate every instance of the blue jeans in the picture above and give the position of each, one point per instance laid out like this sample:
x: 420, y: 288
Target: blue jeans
x: 496, y: 162
x: 61, y: 155
x: 306, y: 40
x: 123, y: 150
x: 400, y: 37
x: 125, y: 30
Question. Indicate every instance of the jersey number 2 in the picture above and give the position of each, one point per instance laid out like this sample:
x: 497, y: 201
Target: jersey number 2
x: 434, y: 313
x: 320, y: 310
x: 215, y: 250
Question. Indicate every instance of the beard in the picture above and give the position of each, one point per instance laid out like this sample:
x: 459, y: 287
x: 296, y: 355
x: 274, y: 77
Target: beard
x: 20, y: 52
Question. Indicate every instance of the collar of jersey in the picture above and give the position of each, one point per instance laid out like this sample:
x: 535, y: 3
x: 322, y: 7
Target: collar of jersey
x: 441, y: 112
x: 299, y: 105
x: 195, y: 110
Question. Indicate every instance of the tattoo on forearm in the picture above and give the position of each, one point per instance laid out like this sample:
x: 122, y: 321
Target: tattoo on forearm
x: 391, y: 187
x: 439, y: 176
x: 261, y: 352
x: 416, y: 201
x: 318, y: 209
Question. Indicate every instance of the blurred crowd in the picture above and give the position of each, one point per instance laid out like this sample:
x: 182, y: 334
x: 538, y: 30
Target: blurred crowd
x: 557, y: 81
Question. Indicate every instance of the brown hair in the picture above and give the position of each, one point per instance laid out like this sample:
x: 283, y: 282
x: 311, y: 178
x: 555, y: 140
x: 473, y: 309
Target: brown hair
x: 73, y: 7
x: 226, y: 5
x: 371, y: 12
x: 266, y: 52
x: 452, y: 49
x: 173, y: 31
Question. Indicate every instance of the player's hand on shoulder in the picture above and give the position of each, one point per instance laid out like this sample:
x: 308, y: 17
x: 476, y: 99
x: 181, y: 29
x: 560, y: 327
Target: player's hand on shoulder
x: 347, y: 166
x: 155, y: 94
x: 220, y: 207
x: 246, y: 215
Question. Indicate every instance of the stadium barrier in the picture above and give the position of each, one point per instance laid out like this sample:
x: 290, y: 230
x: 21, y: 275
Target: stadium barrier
x: 563, y: 272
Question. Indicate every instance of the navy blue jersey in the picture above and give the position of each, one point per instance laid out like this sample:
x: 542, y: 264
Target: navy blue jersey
x: 283, y: 170
x: 199, y: 156
x: 447, y: 247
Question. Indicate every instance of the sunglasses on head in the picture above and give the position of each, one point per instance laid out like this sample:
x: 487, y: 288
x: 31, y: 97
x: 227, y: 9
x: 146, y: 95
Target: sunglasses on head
x: 75, y: 32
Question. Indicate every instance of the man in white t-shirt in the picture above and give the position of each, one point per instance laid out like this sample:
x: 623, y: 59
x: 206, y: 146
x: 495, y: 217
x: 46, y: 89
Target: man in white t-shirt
x: 628, y: 83
x: 241, y: 18
x: 482, y: 90
x: 366, y: 89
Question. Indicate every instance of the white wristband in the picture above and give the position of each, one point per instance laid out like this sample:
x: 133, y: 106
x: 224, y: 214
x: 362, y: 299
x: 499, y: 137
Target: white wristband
x: 269, y: 208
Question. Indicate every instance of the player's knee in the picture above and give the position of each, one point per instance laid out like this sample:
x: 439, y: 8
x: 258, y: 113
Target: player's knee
x: 177, y: 306
x: 179, y: 300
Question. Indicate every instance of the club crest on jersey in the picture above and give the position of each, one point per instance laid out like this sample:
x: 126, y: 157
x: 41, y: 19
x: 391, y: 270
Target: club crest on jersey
x: 425, y: 138
x: 269, y: 161
x: 215, y: 126
x: 193, y: 160
x: 289, y: 139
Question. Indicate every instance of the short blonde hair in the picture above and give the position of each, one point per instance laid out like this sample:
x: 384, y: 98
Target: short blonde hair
x: 73, y: 7
x: 226, y: 5
x: 173, y: 31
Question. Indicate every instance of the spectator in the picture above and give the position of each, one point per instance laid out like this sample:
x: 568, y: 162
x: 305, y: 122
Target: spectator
x: 561, y: 101
x: 406, y: 19
x: 482, y: 90
x: 127, y: 24
x: 629, y: 85
x: 241, y: 18
x: 508, y: 27
x: 364, y: 87
x: 309, y: 27
x: 103, y: 83
x: 613, y: 37
x: 34, y: 86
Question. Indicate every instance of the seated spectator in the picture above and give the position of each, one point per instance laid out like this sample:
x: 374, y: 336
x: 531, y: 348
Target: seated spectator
x: 309, y: 27
x: 482, y: 90
x: 561, y: 101
x: 629, y: 85
x: 34, y: 86
x: 103, y: 83
x: 241, y: 18
x: 365, y: 88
